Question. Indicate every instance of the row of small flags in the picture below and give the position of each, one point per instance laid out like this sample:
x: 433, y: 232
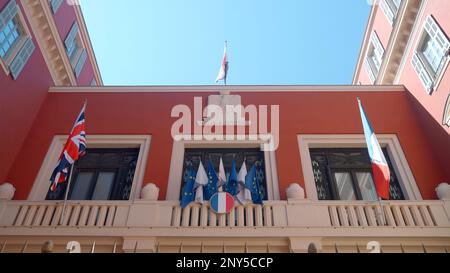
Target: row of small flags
x: 245, y: 186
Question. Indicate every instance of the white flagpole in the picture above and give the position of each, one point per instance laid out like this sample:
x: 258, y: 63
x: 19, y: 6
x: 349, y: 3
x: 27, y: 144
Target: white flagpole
x: 62, y: 219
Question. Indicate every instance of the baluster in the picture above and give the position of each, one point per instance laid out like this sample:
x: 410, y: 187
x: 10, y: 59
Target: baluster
x: 407, y: 215
x: 30, y: 216
x: 352, y: 216
x: 342, y: 213
x: 426, y: 216
x: 398, y: 216
x: 258, y: 216
x: 102, y: 216
x: 249, y: 216
x: 195, y: 215
x: 93, y: 214
x: 212, y: 219
x: 75, y: 216
x: 417, y: 217
x: 361, y: 215
x: 268, y: 216
x: 39, y: 216
x: 389, y: 216
x: 222, y: 220
x: 84, y: 215
x: 186, y: 216
x: 204, y: 215
x: 110, y: 216
x: 176, y: 216
x: 57, y: 215
x: 334, y: 216
x: 240, y: 216
x: 232, y: 217
x: 48, y: 215
x: 370, y: 215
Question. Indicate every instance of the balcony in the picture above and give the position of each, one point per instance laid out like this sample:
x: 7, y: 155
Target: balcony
x: 281, y: 226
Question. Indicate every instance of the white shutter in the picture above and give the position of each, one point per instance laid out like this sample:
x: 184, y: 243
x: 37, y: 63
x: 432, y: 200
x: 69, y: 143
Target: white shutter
x: 55, y: 4
x: 387, y: 11
x: 427, y: 81
x: 80, y: 63
x: 436, y: 34
x: 369, y: 70
x: 8, y: 13
x: 71, y: 35
x: 21, y: 58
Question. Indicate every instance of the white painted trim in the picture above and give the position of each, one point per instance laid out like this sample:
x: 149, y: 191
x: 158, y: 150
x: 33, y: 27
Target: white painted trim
x: 390, y: 141
x: 228, y: 88
x: 42, y: 182
x: 176, y: 164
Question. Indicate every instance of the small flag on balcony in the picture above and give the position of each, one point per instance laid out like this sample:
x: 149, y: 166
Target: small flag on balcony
x: 222, y: 174
x: 223, y: 72
x: 380, y: 167
x: 222, y: 202
x: 232, y: 185
x: 188, y: 188
x: 211, y: 188
x: 74, y: 148
x: 201, y: 180
x: 251, y: 183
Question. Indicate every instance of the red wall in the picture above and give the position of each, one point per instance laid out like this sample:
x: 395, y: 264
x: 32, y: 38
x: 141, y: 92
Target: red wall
x: 300, y: 113
x: 19, y: 103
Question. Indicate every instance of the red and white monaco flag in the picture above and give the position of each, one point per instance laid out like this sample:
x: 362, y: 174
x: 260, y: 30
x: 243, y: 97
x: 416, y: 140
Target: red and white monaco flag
x: 224, y: 67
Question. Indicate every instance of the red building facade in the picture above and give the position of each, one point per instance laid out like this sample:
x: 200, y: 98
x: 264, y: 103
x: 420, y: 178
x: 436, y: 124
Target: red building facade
x: 317, y: 184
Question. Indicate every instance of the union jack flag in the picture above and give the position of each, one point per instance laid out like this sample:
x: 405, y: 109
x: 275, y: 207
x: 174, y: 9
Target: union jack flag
x: 74, y: 149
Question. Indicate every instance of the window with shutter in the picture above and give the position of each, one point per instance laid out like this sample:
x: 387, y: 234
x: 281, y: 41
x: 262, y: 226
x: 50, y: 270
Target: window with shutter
x: 21, y: 58
x: 55, y: 5
x: 374, y: 57
x: 75, y: 50
x: 431, y: 55
x: 16, y: 46
x: 391, y: 9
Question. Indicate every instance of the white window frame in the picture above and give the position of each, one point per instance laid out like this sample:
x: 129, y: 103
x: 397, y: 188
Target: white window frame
x: 391, y: 9
x: 375, y: 49
x: 430, y: 78
x: 24, y: 36
x: 388, y: 141
x: 446, y: 119
x: 42, y: 182
x: 176, y: 164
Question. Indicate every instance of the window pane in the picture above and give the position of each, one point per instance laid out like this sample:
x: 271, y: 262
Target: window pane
x: 82, y: 186
x: 345, y: 186
x: 366, y: 186
x: 104, y: 186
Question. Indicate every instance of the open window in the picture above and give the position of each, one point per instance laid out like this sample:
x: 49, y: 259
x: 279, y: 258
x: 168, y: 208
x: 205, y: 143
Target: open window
x: 431, y: 55
x: 374, y: 57
x: 391, y: 9
x: 16, y: 45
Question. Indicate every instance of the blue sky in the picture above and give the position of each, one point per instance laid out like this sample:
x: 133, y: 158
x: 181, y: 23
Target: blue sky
x: 180, y: 42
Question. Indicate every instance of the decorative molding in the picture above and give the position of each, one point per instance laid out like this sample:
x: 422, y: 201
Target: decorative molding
x: 391, y: 142
x: 40, y: 17
x: 229, y: 89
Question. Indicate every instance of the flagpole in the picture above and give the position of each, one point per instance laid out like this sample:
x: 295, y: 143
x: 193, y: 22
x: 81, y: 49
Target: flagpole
x: 226, y: 69
x: 62, y: 219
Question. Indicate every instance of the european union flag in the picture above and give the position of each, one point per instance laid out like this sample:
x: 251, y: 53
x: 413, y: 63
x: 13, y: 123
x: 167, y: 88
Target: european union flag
x: 232, y: 185
x: 188, y: 194
x: 211, y: 188
x: 251, y: 183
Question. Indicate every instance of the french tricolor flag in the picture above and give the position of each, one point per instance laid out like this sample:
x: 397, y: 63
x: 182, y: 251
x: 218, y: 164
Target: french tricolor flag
x: 380, y: 167
x: 222, y: 202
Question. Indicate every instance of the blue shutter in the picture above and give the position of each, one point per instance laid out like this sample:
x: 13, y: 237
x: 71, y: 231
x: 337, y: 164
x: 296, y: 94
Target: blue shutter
x: 71, y: 35
x: 21, y: 58
x: 55, y: 4
x: 8, y: 13
x: 80, y: 63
